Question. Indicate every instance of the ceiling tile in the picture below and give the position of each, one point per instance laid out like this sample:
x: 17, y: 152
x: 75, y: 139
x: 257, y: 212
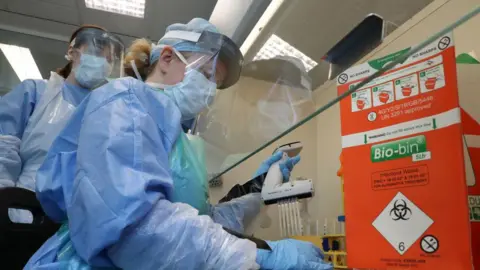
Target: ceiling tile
x: 46, y: 9
x: 315, y: 26
x: 65, y: 3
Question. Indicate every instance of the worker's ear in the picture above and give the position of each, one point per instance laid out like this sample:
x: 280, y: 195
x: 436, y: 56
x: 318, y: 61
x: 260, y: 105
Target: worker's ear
x: 71, y: 55
x: 166, y: 55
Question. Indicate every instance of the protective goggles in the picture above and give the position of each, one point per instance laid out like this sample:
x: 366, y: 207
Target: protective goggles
x: 100, y: 43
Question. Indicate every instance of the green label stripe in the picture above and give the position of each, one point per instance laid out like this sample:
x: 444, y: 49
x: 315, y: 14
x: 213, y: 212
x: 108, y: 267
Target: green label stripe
x: 398, y: 149
x: 380, y: 62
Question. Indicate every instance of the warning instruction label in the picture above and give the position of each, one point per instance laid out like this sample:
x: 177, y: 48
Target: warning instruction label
x: 406, y: 263
x: 474, y: 203
x: 403, y: 163
x: 398, y: 178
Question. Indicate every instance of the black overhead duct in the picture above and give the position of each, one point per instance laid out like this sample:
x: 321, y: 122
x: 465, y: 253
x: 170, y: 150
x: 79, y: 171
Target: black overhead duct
x: 367, y: 35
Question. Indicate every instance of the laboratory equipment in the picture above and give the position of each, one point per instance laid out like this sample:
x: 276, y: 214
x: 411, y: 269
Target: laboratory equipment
x: 333, y: 244
x: 274, y: 190
x: 325, y: 245
x: 287, y: 194
x: 334, y: 239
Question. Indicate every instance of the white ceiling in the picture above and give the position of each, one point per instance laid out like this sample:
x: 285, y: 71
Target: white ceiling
x: 48, y: 54
x: 61, y: 17
x: 45, y: 26
x: 313, y: 26
x: 316, y: 26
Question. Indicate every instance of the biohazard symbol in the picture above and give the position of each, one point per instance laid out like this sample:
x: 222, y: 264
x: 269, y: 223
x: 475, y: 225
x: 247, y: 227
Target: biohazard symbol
x: 400, y: 211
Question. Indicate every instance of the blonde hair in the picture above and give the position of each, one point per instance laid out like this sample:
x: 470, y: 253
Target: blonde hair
x: 139, y: 52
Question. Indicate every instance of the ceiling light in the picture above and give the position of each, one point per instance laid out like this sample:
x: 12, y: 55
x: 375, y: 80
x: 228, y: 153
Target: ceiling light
x: 21, y: 61
x: 267, y: 15
x: 134, y: 8
x: 275, y: 46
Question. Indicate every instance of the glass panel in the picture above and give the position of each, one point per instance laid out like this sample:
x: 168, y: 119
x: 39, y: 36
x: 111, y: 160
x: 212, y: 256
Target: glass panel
x: 263, y: 108
x: 270, y: 97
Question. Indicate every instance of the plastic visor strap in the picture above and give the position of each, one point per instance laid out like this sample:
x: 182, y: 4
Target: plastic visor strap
x: 135, y: 70
x: 178, y: 34
x: 181, y: 57
x: 182, y: 35
x: 177, y: 53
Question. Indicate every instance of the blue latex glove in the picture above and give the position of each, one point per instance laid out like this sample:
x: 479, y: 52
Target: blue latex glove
x: 291, y: 254
x: 286, y: 166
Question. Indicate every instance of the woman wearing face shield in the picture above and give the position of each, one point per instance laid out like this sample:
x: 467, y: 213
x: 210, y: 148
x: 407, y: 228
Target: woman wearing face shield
x: 125, y: 182
x: 34, y: 112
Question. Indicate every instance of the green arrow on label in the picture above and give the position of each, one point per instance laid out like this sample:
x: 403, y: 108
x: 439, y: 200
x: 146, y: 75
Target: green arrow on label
x: 434, y: 123
x: 380, y: 62
x: 465, y: 58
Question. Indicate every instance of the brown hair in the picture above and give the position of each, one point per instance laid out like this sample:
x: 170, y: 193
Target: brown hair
x: 139, y: 52
x: 65, y: 71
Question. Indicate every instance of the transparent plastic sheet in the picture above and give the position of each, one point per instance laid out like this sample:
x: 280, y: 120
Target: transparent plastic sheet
x: 208, y: 53
x: 207, y: 56
x: 270, y: 97
x: 233, y: 130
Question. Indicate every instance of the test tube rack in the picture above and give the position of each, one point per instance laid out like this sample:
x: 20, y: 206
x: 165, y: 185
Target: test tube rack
x: 338, y: 258
x: 338, y: 255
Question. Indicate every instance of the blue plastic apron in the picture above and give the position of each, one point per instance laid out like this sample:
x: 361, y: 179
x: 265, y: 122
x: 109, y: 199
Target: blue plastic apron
x: 187, y: 164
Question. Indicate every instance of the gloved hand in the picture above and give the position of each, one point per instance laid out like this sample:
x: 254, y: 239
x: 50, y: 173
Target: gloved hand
x: 291, y: 254
x: 286, y: 166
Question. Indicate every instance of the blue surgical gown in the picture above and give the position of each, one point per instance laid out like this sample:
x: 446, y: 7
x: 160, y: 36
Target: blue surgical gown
x: 107, y: 175
x: 16, y: 107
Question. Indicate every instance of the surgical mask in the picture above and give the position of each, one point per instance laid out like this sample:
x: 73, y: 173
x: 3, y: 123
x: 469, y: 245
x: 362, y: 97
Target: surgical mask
x: 91, y: 71
x: 192, y: 95
x: 186, y: 124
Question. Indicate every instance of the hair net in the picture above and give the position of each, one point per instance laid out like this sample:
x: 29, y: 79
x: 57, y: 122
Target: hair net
x: 196, y: 25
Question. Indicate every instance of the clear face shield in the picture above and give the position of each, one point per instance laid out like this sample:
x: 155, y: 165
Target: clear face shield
x: 211, y: 54
x: 270, y: 97
x: 212, y: 62
x: 100, y: 55
x: 200, y: 78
